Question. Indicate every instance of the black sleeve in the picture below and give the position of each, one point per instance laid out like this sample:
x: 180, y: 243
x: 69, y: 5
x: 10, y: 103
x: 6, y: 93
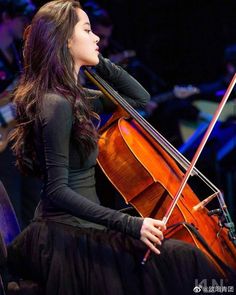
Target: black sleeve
x: 56, y: 120
x: 123, y: 83
x: 100, y: 103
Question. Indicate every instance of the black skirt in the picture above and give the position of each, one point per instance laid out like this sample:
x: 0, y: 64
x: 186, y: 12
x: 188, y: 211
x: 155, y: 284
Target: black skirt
x: 69, y: 260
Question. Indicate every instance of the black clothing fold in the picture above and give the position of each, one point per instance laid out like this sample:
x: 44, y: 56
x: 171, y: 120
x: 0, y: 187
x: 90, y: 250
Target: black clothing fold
x: 81, y: 261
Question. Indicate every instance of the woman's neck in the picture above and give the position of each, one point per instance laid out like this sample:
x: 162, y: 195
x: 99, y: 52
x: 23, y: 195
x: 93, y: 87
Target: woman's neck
x: 77, y: 69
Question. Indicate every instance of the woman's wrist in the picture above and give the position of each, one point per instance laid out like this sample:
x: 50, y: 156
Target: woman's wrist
x: 133, y: 226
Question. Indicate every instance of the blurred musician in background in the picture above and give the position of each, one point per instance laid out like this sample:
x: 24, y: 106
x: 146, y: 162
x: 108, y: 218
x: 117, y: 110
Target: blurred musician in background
x: 14, y: 17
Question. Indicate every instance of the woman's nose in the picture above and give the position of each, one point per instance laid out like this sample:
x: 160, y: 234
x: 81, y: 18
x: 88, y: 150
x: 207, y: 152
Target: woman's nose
x: 97, y: 39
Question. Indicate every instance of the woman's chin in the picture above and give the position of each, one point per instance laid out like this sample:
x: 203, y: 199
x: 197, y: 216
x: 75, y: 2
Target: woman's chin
x: 94, y: 62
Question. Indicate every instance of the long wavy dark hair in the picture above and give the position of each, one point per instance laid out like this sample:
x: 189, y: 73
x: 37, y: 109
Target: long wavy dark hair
x: 49, y: 67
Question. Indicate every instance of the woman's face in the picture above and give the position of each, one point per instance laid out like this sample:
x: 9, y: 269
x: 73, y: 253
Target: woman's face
x: 83, y: 43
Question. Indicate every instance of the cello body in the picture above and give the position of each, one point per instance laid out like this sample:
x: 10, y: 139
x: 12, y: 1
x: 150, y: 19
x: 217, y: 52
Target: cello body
x: 148, y: 179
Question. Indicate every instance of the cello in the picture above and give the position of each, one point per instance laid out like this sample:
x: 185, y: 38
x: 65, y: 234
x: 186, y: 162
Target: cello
x: 149, y: 174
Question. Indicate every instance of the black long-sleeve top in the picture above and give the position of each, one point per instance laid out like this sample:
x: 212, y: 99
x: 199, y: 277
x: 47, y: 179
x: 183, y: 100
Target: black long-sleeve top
x: 69, y: 194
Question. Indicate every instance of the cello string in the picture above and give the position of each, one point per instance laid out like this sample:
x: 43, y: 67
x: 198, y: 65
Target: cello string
x: 181, y: 160
x: 157, y: 136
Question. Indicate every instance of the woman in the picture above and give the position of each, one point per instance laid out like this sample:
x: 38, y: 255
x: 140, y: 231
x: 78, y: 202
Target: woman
x: 74, y: 245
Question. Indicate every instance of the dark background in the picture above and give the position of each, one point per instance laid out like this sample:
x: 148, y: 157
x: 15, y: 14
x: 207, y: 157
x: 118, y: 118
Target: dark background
x: 182, y: 41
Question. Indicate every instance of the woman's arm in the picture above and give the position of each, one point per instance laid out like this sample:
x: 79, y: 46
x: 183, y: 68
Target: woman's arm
x: 56, y: 119
x: 123, y: 83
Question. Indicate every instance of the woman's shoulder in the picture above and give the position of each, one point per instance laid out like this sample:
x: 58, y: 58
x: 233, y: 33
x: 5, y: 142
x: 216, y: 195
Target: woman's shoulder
x: 55, y: 98
x: 55, y: 103
x: 51, y: 99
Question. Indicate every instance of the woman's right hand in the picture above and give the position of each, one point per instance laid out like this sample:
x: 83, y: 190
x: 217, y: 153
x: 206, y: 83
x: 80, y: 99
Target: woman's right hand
x: 151, y: 233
